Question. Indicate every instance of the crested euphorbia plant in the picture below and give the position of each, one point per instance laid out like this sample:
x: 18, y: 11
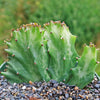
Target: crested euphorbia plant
x: 47, y: 53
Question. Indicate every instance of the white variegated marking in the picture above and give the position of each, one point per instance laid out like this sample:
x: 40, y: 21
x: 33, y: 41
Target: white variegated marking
x: 66, y: 34
x: 89, y: 56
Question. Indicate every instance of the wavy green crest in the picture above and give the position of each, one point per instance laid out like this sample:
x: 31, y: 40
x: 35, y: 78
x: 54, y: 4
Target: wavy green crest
x: 47, y: 53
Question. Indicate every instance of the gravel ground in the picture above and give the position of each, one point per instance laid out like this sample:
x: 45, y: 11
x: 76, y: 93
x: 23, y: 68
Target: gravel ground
x: 48, y: 91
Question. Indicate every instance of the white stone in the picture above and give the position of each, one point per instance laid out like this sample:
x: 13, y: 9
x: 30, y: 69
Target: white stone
x: 24, y: 87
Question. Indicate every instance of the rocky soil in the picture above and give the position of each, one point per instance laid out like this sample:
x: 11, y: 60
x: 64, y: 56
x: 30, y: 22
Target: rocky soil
x: 48, y: 91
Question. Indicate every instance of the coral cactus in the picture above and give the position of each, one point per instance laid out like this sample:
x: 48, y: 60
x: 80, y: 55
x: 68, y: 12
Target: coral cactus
x: 37, y: 54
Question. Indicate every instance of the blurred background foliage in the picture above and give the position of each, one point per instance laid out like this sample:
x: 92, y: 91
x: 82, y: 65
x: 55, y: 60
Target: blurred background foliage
x: 82, y: 17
